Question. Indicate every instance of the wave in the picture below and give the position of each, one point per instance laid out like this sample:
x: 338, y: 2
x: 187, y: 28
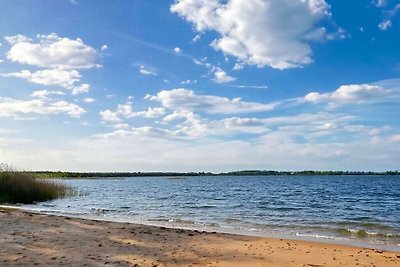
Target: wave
x: 360, y: 224
x: 203, y: 207
x: 362, y: 233
x: 99, y: 211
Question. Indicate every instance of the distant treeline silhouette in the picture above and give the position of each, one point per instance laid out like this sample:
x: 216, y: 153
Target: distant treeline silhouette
x: 61, y: 174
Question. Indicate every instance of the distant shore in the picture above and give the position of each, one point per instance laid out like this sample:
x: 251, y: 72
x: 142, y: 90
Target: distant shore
x: 29, y: 239
x: 94, y: 175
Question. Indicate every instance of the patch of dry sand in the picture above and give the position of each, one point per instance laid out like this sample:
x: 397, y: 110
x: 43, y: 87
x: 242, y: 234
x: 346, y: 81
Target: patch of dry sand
x: 43, y: 240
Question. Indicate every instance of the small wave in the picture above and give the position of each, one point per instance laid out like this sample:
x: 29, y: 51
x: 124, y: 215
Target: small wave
x: 159, y: 220
x: 232, y: 220
x: 278, y: 208
x: 48, y: 205
x: 362, y: 233
x: 203, y: 207
x: 318, y: 236
x: 180, y: 221
x: 362, y: 225
x: 102, y: 210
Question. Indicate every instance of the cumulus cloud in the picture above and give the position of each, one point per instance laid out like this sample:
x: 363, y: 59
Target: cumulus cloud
x: 109, y: 116
x: 347, y: 94
x: 89, y: 100
x: 11, y: 107
x: 177, y: 50
x: 63, y: 78
x: 184, y: 99
x: 60, y: 57
x: 150, y: 113
x: 52, y: 51
x: 221, y: 76
x: 19, y: 38
x: 125, y: 111
x: 83, y: 88
x: 45, y: 93
x: 259, y: 32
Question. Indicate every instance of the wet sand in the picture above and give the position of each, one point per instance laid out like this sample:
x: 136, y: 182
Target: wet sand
x: 28, y: 239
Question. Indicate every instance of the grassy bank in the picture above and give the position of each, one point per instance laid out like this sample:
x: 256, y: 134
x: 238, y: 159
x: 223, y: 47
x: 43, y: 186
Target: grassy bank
x: 24, y: 187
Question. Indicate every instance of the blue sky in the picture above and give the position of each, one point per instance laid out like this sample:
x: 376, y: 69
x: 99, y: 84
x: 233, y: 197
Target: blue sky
x: 195, y: 85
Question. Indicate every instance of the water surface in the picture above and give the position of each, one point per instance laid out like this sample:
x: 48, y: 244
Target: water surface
x: 352, y: 209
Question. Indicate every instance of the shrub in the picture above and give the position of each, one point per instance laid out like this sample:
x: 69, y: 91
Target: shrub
x: 24, y: 187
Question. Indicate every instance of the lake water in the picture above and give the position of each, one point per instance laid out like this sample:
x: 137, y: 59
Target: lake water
x: 359, y: 210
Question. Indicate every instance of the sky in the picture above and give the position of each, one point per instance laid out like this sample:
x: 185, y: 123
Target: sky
x: 200, y: 85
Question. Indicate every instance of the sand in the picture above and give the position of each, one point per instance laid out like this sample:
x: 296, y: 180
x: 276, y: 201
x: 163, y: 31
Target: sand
x: 28, y: 239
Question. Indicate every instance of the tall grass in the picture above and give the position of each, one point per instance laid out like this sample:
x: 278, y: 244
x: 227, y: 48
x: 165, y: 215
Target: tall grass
x: 24, y: 187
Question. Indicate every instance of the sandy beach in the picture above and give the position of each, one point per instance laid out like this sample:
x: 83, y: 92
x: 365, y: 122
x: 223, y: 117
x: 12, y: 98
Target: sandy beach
x: 28, y: 239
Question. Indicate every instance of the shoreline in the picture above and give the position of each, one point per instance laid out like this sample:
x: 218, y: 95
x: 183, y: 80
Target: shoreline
x: 357, y: 243
x: 31, y: 238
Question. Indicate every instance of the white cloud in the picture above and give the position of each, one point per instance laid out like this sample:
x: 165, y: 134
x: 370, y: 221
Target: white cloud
x: 177, y: 50
x: 221, y: 76
x: 52, y: 51
x: 183, y: 99
x: 61, y: 57
x: 293, y: 141
x: 121, y: 126
x: 19, y: 38
x: 394, y: 138
x: 89, y: 100
x: 238, y: 66
x: 63, y: 78
x: 11, y: 107
x: 263, y: 33
x: 321, y: 34
x: 345, y: 94
x: 125, y: 111
x: 384, y: 25
x: 188, y: 82
x: 147, y: 71
x: 195, y: 126
x: 196, y: 38
x: 83, y: 88
x: 150, y: 113
x: 109, y: 116
x: 139, y: 151
x: 389, y: 11
x: 380, y: 3
x: 45, y: 93
x: 104, y: 47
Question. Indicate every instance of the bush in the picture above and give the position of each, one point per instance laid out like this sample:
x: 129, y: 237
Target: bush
x: 24, y: 187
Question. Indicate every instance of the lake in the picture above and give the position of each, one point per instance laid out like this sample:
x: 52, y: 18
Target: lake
x: 359, y: 210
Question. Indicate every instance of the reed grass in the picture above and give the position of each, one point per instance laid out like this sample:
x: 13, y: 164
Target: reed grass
x: 26, y: 188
